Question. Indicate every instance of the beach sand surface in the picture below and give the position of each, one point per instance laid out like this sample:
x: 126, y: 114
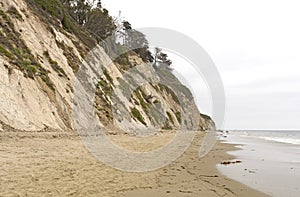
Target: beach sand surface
x: 55, y: 164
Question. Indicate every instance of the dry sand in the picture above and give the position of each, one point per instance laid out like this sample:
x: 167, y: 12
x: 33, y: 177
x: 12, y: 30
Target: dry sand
x: 45, y: 164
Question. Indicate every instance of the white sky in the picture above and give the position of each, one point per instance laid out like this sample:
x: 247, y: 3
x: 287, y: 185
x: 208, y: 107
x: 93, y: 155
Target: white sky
x: 254, y: 43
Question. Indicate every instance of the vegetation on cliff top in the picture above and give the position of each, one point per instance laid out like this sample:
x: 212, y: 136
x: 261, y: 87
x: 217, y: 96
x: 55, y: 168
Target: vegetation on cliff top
x: 91, y: 24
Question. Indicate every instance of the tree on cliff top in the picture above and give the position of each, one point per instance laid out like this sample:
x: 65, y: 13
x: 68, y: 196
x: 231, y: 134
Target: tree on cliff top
x: 161, y: 59
x: 91, y: 16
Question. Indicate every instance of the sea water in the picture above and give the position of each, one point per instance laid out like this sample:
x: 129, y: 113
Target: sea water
x: 270, y: 161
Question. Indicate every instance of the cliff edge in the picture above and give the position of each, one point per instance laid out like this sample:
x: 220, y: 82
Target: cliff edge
x: 41, y: 55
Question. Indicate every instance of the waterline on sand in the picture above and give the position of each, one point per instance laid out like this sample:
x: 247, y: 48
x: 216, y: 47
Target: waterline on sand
x: 270, y: 161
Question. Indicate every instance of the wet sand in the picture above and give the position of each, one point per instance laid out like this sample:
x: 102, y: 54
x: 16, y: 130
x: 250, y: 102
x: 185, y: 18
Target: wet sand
x: 269, y: 166
x: 53, y: 164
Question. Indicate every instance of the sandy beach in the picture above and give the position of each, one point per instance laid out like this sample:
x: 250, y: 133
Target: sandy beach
x: 53, y: 164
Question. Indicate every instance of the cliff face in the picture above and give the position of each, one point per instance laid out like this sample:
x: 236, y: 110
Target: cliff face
x: 40, y: 62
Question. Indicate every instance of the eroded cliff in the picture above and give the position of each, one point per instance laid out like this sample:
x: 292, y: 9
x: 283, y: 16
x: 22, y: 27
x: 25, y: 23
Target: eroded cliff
x: 41, y: 60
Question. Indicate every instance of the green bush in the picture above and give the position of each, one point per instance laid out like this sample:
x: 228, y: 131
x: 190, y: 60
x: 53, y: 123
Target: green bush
x: 53, y: 7
x: 44, y: 76
x: 178, y: 116
x: 17, y: 52
x: 5, y: 52
x: 170, y: 117
x: 33, y: 68
x: 66, y: 23
x: 156, y: 101
x: 141, y: 100
x: 55, y: 65
x: 170, y: 91
x: 108, y: 77
x: 107, y: 89
x: 136, y: 113
x: 13, y: 47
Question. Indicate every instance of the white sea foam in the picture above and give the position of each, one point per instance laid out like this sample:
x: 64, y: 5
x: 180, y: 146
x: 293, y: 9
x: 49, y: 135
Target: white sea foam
x: 282, y: 140
x: 288, y: 137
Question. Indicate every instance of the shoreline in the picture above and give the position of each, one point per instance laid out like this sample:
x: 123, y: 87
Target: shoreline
x: 265, y: 160
x: 205, y: 180
x: 61, y: 166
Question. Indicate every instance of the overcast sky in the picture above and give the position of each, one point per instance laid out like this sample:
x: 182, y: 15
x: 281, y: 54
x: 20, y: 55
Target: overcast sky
x: 255, y: 44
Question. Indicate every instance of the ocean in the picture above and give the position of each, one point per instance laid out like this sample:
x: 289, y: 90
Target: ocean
x: 289, y: 137
x: 270, y: 161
